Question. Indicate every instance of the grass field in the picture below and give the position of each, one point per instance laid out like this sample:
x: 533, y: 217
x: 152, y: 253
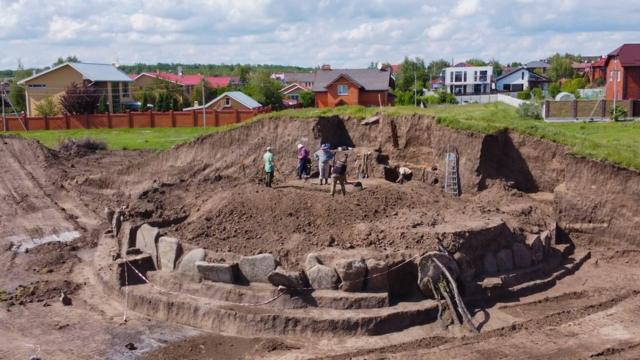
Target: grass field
x: 618, y: 143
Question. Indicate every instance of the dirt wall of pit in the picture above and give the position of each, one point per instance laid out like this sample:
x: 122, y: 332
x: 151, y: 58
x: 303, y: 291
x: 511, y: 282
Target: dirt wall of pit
x: 590, y: 196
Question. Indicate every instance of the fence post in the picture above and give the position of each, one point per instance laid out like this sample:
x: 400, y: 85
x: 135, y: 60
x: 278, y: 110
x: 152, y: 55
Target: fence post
x: 46, y: 122
x: 151, y: 119
x: 574, y: 106
x: 86, y: 121
x: 66, y: 121
x: 237, y: 115
x: 547, y: 111
x: 195, y: 118
x: 130, y: 119
x: 630, y: 108
x: 173, y: 119
x: 216, y: 118
x: 603, y: 108
x: 25, y: 120
x: 109, y: 125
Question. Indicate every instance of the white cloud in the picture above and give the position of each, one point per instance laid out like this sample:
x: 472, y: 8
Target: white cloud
x: 340, y: 32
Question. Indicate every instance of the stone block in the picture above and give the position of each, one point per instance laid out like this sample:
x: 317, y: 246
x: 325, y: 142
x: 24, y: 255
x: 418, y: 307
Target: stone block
x: 146, y: 240
x: 288, y: 279
x: 169, y: 251
x: 490, y: 265
x: 535, y: 243
x: 187, y: 266
x: 377, y: 276
x: 224, y: 273
x: 257, y: 268
x: 521, y: 255
x: 504, y: 260
x: 352, y: 274
x: 322, y: 277
x: 311, y: 260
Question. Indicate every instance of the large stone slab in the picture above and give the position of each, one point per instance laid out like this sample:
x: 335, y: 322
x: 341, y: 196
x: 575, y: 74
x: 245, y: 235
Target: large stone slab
x: 169, y: 251
x: 146, y: 240
x: 377, y: 276
x: 257, y: 268
x: 352, y: 274
x: 504, y: 260
x: 187, y: 266
x: 490, y: 264
x: 521, y: 255
x: 322, y: 277
x: 311, y: 260
x: 535, y: 243
x: 127, y: 237
x: 224, y: 273
x: 288, y: 279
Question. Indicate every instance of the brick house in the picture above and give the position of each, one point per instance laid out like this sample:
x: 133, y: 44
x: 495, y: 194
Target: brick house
x: 186, y: 82
x: 366, y: 87
x: 623, y: 73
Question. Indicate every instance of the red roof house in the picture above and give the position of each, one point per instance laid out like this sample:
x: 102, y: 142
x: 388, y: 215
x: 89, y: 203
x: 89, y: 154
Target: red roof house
x: 623, y: 73
x: 187, y: 82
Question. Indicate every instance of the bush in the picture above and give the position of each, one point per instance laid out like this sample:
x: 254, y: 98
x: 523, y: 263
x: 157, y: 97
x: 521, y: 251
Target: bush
x: 47, y: 107
x: 537, y: 93
x: 554, y: 90
x: 618, y: 113
x: 447, y: 98
x: 524, y: 95
x: 531, y: 110
x: 82, y: 146
x: 308, y: 98
x: 431, y: 99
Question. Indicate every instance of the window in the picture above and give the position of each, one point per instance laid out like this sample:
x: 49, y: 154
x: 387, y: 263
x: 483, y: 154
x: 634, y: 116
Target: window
x: 343, y: 90
x: 465, y: 76
x: 483, y: 76
x: 458, y: 76
x: 37, y: 85
x: 227, y: 102
x: 451, y: 76
x: 522, y: 75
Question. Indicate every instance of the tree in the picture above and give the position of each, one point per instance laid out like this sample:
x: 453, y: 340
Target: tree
x: 264, y: 89
x: 80, y: 99
x: 102, y: 105
x: 572, y: 86
x: 47, y: 107
x: 560, y: 67
x: 16, y: 92
x: 476, y: 62
x: 515, y: 64
x: 308, y: 98
x: 210, y: 93
x: 435, y: 67
x: 70, y: 59
x: 412, y: 75
x: 147, y: 98
x: 497, y: 67
x: 243, y: 72
x: 554, y: 89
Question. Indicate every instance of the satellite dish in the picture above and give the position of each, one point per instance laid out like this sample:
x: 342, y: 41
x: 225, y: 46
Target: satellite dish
x: 379, y: 65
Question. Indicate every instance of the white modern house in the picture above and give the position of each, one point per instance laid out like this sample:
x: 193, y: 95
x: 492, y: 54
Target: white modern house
x: 463, y: 79
x: 521, y: 79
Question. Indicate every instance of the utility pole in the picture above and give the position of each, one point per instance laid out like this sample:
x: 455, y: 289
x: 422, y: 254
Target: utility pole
x: 415, y: 87
x: 4, y: 117
x: 615, y: 88
x: 204, y: 108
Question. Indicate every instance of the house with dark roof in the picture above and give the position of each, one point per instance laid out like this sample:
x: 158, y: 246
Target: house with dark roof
x: 366, y: 87
x: 539, y: 66
x: 521, y: 79
x: 623, y: 73
x: 230, y: 100
x: 111, y: 82
x: 302, y: 79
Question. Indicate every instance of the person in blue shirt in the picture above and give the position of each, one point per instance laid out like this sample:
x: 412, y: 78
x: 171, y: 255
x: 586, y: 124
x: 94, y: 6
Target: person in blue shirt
x: 324, y: 156
x: 269, y: 167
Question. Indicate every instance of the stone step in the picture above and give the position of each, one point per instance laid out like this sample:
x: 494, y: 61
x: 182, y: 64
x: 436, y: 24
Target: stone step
x: 258, y: 293
x: 249, y: 320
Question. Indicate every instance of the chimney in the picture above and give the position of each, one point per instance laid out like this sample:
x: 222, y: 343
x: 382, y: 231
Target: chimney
x: 325, y: 67
x: 180, y: 71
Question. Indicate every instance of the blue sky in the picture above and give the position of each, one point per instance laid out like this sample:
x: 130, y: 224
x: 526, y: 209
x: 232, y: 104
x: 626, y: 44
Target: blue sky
x: 343, y: 33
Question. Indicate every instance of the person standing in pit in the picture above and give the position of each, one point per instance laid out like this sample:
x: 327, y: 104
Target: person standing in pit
x: 339, y: 175
x: 303, y: 159
x: 269, y: 167
x: 323, y: 156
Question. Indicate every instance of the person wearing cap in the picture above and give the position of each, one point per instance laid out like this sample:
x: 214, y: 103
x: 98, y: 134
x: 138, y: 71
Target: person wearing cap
x: 339, y: 175
x: 269, y: 167
x: 303, y: 160
x: 323, y: 156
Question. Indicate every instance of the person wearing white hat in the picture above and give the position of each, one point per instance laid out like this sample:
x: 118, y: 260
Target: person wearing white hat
x: 269, y: 167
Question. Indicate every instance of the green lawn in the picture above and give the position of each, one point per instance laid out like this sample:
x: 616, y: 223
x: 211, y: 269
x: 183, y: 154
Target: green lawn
x: 618, y: 143
x: 124, y: 139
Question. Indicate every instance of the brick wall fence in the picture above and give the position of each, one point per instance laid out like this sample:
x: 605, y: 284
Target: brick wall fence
x: 586, y: 109
x: 149, y: 119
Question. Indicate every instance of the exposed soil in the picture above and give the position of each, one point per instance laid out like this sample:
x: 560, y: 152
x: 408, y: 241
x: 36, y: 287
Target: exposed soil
x: 209, y: 193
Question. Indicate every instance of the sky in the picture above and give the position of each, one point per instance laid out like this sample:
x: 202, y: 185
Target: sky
x: 343, y: 33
